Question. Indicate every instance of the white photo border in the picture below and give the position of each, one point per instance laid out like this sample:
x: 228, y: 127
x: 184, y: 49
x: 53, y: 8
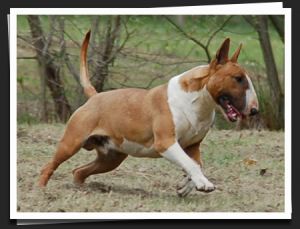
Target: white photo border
x: 230, y: 9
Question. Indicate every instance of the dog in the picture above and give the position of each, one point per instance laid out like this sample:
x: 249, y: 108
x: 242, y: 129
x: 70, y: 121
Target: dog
x: 168, y: 121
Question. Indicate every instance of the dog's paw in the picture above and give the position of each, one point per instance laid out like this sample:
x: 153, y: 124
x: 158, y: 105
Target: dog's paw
x: 204, y: 185
x: 185, y: 186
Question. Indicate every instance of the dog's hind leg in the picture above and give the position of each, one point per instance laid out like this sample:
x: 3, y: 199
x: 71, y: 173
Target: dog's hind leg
x: 104, y: 162
x: 65, y: 149
x: 70, y: 143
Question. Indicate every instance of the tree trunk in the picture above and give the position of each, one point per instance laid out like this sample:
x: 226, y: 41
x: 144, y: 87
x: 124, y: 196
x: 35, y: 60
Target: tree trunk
x: 276, y: 91
x: 49, y: 69
x: 260, y: 23
x: 106, y: 50
x: 278, y: 22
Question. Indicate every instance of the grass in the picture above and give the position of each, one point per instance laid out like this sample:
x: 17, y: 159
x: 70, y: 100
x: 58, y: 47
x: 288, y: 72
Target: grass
x: 233, y: 161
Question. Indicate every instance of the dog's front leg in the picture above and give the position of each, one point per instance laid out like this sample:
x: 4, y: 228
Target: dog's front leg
x: 176, y: 155
x: 186, y: 185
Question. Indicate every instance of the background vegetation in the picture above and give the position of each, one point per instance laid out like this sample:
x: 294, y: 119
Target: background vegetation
x: 247, y: 166
x: 141, y: 51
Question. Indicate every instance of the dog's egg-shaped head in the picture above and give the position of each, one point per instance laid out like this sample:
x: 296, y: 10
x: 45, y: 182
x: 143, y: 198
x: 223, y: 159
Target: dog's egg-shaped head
x: 230, y: 86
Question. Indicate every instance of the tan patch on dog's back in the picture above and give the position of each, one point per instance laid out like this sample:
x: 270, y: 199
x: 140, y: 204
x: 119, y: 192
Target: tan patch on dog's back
x: 130, y: 114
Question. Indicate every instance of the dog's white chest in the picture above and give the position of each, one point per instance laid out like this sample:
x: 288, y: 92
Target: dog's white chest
x: 188, y: 133
x: 193, y: 112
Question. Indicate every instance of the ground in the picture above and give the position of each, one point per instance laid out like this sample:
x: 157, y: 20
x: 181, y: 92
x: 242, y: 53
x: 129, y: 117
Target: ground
x: 246, y: 166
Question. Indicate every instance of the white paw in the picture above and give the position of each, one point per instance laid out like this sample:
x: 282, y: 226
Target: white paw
x: 202, y: 184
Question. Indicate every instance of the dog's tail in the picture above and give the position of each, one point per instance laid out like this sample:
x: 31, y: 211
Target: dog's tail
x: 88, y: 88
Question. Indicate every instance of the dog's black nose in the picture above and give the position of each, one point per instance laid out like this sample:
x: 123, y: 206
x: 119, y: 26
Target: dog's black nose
x: 253, y: 111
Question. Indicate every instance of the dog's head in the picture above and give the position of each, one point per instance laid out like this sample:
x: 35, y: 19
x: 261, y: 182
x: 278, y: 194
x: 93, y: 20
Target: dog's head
x: 230, y: 86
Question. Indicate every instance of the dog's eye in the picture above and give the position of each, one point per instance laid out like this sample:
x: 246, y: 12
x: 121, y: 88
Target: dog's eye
x: 239, y: 79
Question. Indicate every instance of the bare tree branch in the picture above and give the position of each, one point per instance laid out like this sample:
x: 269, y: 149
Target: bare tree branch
x: 27, y: 57
x: 29, y: 43
x: 217, y: 30
x: 205, y: 47
x: 48, y: 40
x: 48, y: 69
x: 190, y: 37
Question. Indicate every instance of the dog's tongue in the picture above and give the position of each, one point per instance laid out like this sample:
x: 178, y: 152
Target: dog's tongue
x: 232, y: 113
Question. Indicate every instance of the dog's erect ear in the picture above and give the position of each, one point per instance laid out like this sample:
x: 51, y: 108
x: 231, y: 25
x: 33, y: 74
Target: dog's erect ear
x: 222, y: 53
x: 236, y: 54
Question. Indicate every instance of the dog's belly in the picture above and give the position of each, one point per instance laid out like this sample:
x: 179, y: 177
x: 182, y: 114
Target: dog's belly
x: 185, y: 136
x: 137, y: 150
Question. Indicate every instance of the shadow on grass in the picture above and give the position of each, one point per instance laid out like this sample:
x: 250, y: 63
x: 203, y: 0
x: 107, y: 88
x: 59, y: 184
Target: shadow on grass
x: 120, y: 189
x: 171, y: 194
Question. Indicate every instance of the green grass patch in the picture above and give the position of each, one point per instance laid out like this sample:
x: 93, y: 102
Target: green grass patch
x: 149, y: 185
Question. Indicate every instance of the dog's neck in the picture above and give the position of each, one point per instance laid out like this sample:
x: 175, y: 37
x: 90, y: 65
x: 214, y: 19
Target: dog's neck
x: 203, y: 99
x: 196, y: 105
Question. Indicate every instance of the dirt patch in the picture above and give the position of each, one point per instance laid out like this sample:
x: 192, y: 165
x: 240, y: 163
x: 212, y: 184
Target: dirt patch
x: 246, y: 166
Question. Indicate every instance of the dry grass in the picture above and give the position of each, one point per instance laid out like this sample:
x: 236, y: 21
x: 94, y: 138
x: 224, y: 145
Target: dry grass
x: 246, y: 166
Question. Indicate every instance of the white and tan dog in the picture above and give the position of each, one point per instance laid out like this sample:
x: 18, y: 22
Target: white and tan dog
x: 168, y: 121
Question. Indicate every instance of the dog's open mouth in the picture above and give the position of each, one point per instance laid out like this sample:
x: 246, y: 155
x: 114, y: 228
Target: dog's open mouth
x: 230, y: 111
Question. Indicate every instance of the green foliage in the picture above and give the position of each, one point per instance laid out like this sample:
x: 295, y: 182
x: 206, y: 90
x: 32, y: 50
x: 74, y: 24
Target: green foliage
x: 27, y: 118
x: 155, y: 49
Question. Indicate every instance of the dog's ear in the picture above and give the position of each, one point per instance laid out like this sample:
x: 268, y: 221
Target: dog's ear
x: 236, y: 54
x: 200, y: 74
x: 222, y: 53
